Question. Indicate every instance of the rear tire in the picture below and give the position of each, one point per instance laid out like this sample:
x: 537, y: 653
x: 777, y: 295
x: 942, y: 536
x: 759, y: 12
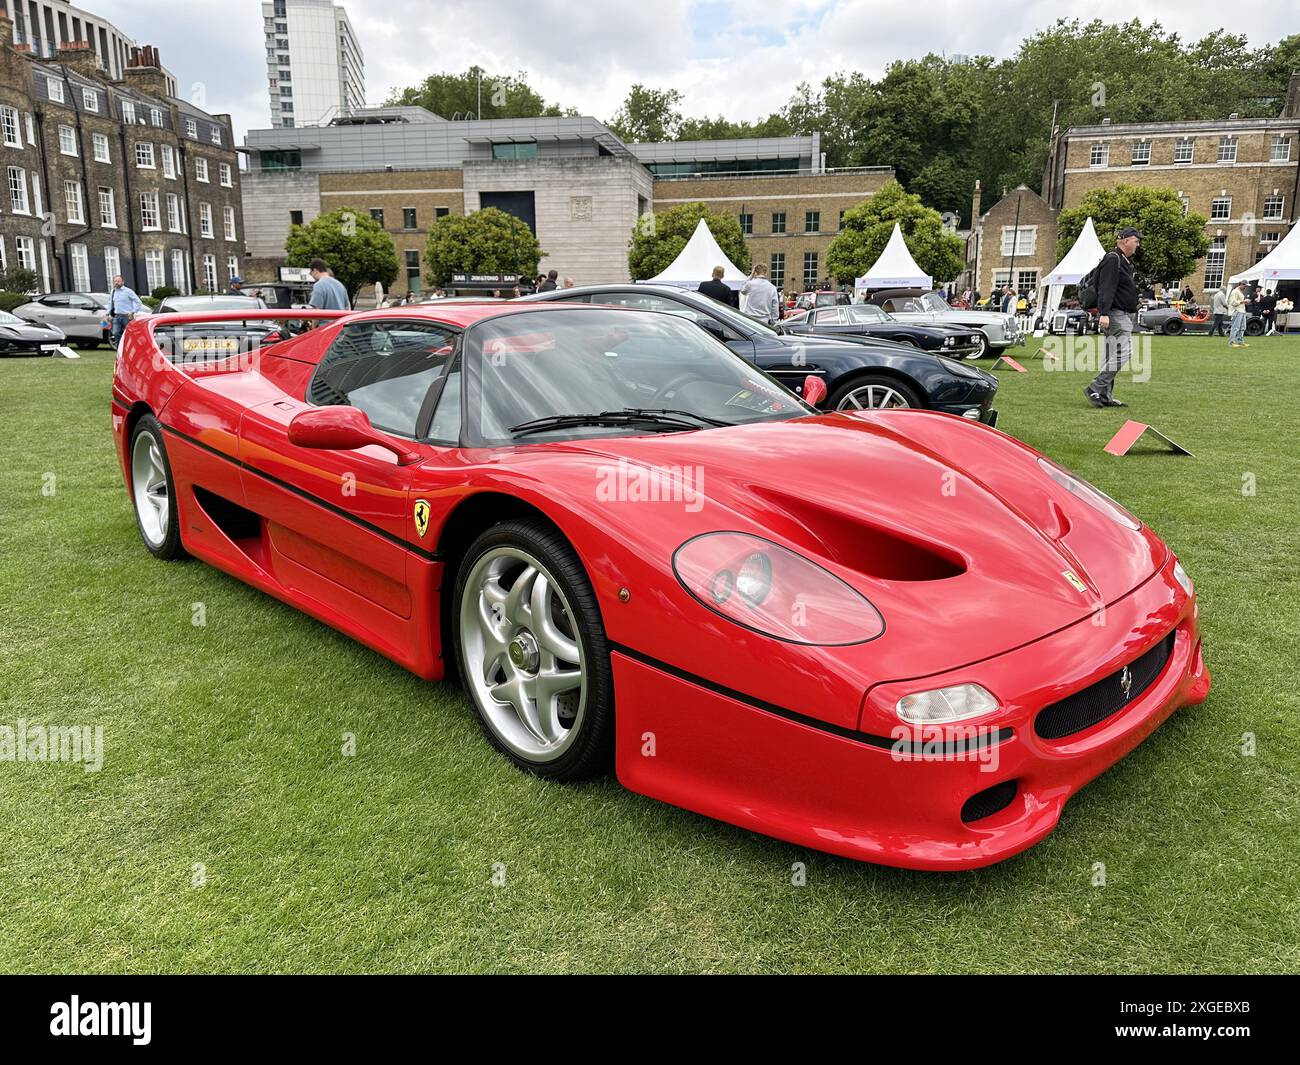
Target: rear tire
x: 1254, y: 327
x: 531, y: 650
x: 153, y: 492
x: 1173, y: 327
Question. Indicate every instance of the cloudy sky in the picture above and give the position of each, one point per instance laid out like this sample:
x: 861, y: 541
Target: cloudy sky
x: 731, y: 57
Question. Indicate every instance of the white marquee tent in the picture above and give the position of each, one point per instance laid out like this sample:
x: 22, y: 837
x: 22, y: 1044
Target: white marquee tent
x: 895, y: 268
x: 1086, y: 253
x: 1281, y: 264
x: 696, y: 261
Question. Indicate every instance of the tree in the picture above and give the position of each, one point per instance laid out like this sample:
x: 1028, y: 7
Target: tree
x: 868, y: 227
x: 476, y: 92
x: 1171, y: 241
x: 648, y: 115
x: 354, y: 244
x: 659, y: 238
x: 488, y: 241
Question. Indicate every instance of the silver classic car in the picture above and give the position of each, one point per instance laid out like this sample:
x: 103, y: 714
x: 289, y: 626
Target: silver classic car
x: 920, y: 307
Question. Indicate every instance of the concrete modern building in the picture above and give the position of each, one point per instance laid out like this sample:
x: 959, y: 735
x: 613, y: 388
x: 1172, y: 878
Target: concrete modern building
x: 315, y: 69
x: 576, y: 184
x: 1012, y: 243
x: 106, y: 176
x: 1243, y: 174
x: 41, y: 27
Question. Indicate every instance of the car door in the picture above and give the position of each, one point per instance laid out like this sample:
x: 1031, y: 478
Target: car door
x: 84, y: 318
x: 339, y: 523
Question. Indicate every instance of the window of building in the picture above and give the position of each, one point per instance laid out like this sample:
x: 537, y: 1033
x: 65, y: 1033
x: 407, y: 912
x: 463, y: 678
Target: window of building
x: 128, y: 112
x: 1100, y: 155
x: 413, y: 270
x: 26, y: 249
x: 841, y: 222
x: 30, y: 122
x: 154, y: 272
x: 80, y: 267
x: 777, y: 269
x: 408, y: 217
x: 1271, y: 237
x: 168, y: 161
x: 1186, y: 201
x: 232, y: 267
x: 215, y: 133
x: 1184, y: 148
x: 295, y: 217
x: 812, y: 221
x: 1141, y: 153
x: 191, y: 128
x: 441, y: 212
x: 1279, y: 151
x: 54, y: 89
x: 1273, y: 207
x: 180, y: 272
x: 99, y: 143
x: 520, y: 150
x: 205, y: 220
x: 9, y: 125
x: 228, y: 223
x: 155, y: 117
x: 746, y: 224
x: 112, y: 263
x: 90, y: 100
x: 1214, y: 260
x: 107, y: 207
x: 1221, y: 208
x: 73, y: 202
x: 778, y: 221
x: 210, y: 273
x: 149, y: 210
x: 377, y: 213
x: 173, y: 212
x: 227, y: 178
x: 809, y: 270
x: 67, y: 140
x: 200, y: 169
x: 144, y: 155
x: 1227, y: 149
x: 18, y: 190
x: 1018, y: 242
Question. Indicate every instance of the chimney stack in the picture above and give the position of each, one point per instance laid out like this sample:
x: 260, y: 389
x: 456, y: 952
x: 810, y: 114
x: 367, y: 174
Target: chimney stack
x: 1292, y: 108
x: 144, y: 71
x: 975, y: 205
x: 77, y: 56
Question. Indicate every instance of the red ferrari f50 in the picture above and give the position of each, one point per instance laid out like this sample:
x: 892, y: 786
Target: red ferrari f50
x: 898, y: 636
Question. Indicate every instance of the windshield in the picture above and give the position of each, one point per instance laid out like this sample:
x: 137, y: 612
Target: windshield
x: 544, y: 364
x: 211, y: 303
x: 932, y: 301
x: 866, y: 312
x: 10, y: 319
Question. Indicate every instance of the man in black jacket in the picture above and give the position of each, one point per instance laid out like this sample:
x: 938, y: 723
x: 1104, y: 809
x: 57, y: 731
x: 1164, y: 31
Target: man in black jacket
x: 719, y: 290
x: 1117, y: 302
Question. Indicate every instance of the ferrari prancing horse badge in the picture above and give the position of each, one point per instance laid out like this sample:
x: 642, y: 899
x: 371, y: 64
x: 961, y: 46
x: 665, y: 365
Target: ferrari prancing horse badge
x: 421, y: 517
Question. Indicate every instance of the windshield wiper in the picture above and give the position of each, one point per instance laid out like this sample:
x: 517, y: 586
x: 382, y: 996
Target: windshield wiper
x: 670, y: 419
x: 671, y: 412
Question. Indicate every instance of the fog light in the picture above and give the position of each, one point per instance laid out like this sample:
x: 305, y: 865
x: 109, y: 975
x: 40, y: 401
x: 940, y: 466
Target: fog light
x: 973, y: 413
x: 946, y: 704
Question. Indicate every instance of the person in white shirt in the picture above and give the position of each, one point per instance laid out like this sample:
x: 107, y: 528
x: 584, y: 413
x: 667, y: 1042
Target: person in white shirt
x: 758, y: 297
x: 1237, y: 309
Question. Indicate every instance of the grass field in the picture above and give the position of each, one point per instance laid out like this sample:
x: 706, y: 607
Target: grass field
x: 226, y: 831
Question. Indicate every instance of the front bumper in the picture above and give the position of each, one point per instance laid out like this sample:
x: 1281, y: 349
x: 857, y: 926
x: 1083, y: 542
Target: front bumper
x: 859, y: 794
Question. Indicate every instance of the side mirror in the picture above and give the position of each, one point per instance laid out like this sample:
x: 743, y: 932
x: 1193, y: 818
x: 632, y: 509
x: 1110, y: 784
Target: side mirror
x: 814, y: 390
x: 713, y: 327
x: 344, y: 429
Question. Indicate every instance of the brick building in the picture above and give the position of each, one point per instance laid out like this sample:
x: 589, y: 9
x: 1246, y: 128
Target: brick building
x: 579, y: 188
x: 1012, y: 243
x: 1242, y: 174
x: 113, y: 175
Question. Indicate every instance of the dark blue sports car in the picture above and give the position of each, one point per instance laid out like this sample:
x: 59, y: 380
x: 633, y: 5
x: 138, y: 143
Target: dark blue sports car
x: 868, y: 320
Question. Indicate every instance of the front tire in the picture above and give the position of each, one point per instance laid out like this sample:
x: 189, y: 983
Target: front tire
x: 153, y: 491
x: 873, y: 392
x: 531, y: 648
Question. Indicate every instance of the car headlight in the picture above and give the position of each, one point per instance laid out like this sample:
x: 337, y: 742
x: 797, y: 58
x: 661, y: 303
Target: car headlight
x: 949, y: 341
x: 774, y: 591
x: 957, y: 703
x: 1180, y: 575
x: 1093, y: 496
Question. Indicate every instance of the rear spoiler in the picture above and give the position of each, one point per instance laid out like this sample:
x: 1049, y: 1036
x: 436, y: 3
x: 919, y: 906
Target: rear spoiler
x: 154, y: 320
x: 141, y: 334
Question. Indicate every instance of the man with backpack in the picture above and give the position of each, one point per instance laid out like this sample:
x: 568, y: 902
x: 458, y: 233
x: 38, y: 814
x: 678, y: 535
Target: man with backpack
x: 1117, y: 302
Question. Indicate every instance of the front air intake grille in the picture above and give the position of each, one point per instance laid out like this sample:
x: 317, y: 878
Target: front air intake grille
x: 1108, y: 696
x: 988, y: 802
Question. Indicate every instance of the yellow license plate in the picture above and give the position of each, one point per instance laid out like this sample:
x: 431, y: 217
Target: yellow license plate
x: 211, y: 344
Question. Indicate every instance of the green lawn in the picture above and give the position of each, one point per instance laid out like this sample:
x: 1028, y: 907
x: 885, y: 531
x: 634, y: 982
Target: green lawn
x: 222, y: 746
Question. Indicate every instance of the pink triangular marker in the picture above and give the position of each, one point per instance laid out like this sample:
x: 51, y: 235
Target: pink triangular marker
x: 1131, y: 431
x: 1010, y: 362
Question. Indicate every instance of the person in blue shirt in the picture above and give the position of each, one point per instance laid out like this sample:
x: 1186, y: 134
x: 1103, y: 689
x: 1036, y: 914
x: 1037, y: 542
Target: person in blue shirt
x: 123, y: 305
x: 328, y: 293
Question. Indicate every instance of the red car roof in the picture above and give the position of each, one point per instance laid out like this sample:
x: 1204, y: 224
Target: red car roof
x: 461, y: 314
